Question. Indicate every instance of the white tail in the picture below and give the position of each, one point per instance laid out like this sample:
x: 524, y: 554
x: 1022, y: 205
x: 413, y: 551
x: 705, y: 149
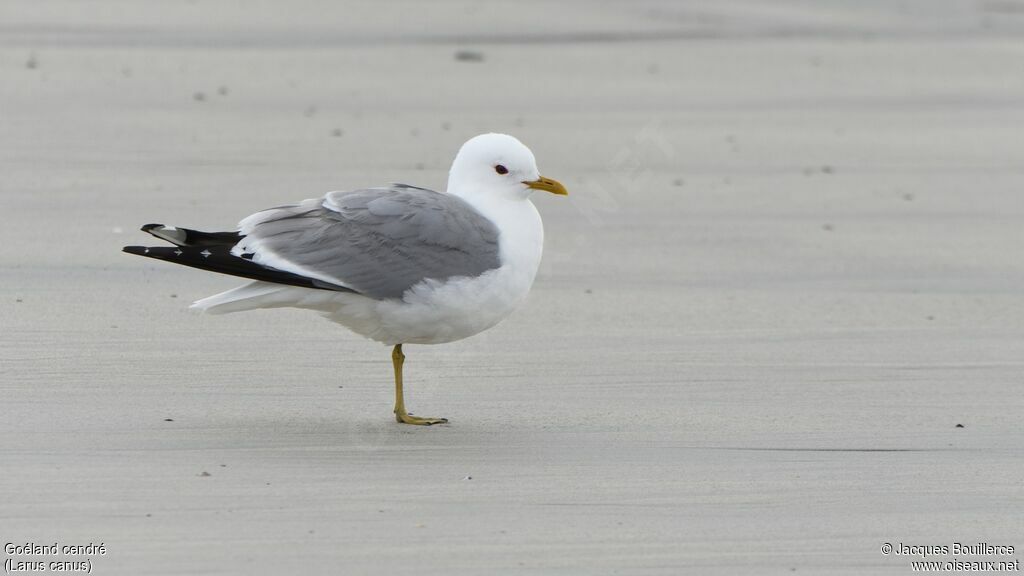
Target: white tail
x: 248, y: 297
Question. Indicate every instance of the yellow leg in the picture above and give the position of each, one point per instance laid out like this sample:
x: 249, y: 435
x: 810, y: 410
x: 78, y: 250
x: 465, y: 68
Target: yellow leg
x: 400, y: 414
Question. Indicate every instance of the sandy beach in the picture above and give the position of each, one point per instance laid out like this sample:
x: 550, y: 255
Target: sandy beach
x: 779, y: 322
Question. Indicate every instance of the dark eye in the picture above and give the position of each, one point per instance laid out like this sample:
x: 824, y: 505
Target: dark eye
x: 501, y: 169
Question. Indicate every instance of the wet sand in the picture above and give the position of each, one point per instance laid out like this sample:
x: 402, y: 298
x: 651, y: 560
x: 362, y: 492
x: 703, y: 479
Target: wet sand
x: 779, y: 322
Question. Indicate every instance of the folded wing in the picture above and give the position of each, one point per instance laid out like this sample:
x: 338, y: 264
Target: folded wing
x: 378, y: 242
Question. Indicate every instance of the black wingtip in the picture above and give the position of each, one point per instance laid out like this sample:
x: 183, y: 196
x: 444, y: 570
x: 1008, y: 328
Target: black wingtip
x: 183, y: 237
x: 220, y: 259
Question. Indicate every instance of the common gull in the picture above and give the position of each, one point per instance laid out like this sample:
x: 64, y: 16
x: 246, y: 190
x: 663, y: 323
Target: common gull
x: 398, y: 264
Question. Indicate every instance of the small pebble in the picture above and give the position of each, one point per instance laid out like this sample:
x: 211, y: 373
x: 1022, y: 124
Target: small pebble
x: 468, y: 478
x: 168, y: 419
x: 199, y: 97
x: 205, y: 474
x: 469, y: 56
x: 959, y: 425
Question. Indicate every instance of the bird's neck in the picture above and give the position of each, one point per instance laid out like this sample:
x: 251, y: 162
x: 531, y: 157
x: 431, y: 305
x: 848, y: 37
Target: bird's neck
x: 521, y: 230
x: 521, y: 236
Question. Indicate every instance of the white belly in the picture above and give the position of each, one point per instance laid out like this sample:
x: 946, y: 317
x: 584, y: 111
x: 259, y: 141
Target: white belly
x: 435, y: 312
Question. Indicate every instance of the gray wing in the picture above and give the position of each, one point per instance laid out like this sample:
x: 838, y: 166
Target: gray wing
x: 376, y: 241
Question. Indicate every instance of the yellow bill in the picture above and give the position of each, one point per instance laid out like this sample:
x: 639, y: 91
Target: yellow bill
x: 548, y: 185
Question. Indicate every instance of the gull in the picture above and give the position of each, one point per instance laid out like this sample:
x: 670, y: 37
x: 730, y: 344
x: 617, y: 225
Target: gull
x: 397, y: 264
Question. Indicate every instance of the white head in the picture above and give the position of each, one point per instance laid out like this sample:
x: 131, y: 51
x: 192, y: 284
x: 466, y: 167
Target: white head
x: 497, y: 164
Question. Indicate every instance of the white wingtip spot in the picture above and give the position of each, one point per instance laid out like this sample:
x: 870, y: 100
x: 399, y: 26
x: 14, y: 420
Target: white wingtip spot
x: 170, y: 234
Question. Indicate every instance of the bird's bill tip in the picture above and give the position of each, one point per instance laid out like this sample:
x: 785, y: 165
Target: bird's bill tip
x: 547, y: 185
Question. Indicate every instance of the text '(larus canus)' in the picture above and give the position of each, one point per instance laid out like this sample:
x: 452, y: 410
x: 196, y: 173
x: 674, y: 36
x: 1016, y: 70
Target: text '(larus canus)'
x: 398, y: 264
